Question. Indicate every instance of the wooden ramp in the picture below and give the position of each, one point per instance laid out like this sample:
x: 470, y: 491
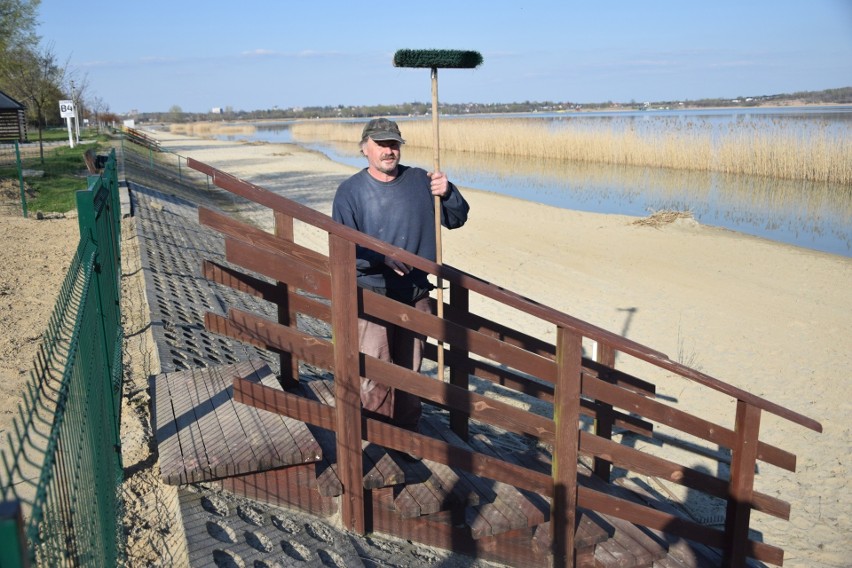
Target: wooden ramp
x: 202, y: 434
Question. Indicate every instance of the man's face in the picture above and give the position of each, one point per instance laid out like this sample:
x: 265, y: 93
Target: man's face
x: 382, y: 156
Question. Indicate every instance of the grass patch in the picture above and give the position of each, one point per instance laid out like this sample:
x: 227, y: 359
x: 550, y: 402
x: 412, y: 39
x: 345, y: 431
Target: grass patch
x: 64, y: 174
x: 52, y: 134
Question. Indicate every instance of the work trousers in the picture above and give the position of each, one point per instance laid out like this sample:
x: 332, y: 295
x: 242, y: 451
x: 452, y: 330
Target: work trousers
x: 402, y: 347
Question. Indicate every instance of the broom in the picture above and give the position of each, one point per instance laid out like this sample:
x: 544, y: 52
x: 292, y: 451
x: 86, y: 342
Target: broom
x: 434, y: 59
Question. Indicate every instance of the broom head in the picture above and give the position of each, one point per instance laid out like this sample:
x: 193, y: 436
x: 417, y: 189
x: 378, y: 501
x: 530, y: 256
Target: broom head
x: 437, y: 58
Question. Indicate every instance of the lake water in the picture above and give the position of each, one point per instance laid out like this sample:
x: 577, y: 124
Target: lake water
x: 806, y: 214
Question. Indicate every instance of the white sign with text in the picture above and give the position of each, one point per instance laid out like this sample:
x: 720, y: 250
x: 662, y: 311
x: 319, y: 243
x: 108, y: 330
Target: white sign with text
x: 66, y: 109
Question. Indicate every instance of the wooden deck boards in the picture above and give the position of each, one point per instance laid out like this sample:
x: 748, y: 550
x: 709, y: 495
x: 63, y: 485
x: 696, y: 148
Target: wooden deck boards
x: 202, y: 434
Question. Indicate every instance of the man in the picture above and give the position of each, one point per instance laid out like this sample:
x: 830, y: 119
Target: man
x: 394, y: 203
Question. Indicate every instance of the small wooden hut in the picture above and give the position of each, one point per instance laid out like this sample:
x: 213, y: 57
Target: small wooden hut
x: 13, y: 121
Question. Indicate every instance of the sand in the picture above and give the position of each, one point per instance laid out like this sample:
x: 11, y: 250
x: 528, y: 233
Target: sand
x: 772, y: 319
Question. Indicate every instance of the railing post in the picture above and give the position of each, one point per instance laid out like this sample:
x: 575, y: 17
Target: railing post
x: 566, y: 415
x: 741, y: 486
x: 347, y: 381
x: 110, y: 177
x: 604, y: 420
x: 288, y: 365
x: 459, y: 373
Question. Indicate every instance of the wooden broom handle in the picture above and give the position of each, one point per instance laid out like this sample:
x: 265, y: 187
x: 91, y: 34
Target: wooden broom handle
x: 436, y: 158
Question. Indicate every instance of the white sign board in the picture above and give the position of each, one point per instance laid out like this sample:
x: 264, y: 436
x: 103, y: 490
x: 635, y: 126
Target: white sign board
x: 66, y: 109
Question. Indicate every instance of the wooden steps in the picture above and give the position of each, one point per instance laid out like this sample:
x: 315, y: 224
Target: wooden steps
x: 202, y: 434
x: 623, y: 543
x: 288, y: 463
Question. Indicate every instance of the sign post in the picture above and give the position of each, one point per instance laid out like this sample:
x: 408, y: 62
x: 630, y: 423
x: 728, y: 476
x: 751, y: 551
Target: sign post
x: 66, y: 111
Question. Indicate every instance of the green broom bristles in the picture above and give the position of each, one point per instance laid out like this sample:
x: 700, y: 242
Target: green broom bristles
x: 433, y: 58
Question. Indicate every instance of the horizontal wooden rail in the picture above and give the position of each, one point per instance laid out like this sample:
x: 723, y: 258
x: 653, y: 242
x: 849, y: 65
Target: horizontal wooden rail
x: 680, y: 420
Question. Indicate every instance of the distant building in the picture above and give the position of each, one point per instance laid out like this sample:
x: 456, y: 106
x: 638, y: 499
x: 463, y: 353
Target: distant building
x: 216, y: 110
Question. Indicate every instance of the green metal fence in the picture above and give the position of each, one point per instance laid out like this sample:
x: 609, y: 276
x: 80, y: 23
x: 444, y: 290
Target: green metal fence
x: 61, y: 473
x: 11, y: 155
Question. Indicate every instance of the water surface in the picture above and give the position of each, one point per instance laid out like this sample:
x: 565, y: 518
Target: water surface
x: 801, y: 213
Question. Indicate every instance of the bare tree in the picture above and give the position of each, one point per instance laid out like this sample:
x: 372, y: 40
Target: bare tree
x: 78, y: 85
x: 99, y: 109
x: 175, y: 113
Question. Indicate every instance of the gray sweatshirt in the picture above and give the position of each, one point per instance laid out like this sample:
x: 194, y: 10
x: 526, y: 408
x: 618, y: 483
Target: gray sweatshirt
x: 400, y: 212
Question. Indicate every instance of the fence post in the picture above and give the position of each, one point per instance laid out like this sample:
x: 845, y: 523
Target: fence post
x: 13, y: 544
x: 21, y: 177
x: 566, y: 415
x: 347, y: 381
x: 605, y: 418
x: 741, y: 487
x: 86, y: 214
x: 459, y: 374
x: 289, y: 365
x: 110, y: 177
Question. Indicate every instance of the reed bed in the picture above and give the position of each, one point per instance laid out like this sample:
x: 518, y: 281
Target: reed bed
x: 211, y: 129
x: 666, y: 188
x: 817, y: 153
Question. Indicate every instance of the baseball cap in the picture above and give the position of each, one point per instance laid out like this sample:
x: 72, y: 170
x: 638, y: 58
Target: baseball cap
x: 380, y: 129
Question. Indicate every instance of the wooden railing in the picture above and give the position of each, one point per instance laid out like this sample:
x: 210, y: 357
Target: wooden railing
x: 557, y: 373
x: 141, y: 138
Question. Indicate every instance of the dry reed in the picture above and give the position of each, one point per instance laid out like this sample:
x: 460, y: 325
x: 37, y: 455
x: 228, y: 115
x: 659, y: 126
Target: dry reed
x: 823, y: 155
x: 211, y: 128
x: 660, y: 218
x: 665, y: 187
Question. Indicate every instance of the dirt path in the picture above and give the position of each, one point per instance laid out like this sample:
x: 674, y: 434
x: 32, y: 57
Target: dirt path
x: 34, y: 257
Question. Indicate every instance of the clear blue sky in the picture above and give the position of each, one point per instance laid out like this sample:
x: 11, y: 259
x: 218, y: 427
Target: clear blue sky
x: 251, y: 55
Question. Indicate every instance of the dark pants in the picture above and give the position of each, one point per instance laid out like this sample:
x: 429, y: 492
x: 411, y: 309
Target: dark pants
x: 402, y: 347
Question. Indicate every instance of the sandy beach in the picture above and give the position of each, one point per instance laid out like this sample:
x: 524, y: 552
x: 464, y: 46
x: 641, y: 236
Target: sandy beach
x: 772, y: 319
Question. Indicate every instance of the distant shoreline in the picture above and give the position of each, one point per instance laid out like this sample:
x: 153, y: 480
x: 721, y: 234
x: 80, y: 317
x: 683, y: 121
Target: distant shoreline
x: 784, y: 105
x: 242, y: 121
